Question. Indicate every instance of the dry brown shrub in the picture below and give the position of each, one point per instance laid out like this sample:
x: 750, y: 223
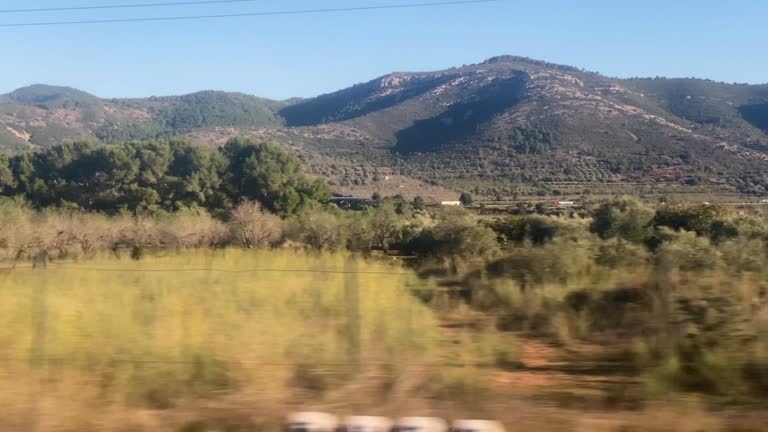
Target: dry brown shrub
x: 195, y: 229
x: 252, y: 227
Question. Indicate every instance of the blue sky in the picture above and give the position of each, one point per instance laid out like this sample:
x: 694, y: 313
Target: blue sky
x: 285, y: 56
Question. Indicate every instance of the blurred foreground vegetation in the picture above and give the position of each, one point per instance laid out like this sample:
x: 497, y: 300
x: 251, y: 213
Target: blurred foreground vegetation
x: 107, y: 338
x: 190, y: 306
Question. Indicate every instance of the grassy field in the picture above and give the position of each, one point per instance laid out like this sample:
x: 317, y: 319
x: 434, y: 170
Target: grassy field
x: 81, y: 343
x: 230, y: 341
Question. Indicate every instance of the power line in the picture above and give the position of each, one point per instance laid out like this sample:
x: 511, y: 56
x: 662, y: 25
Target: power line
x: 69, y: 361
x: 253, y: 14
x: 123, y: 6
x: 220, y: 270
x: 62, y: 267
x: 118, y: 360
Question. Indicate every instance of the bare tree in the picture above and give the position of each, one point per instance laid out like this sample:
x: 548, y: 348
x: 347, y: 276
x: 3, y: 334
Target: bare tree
x: 252, y: 227
x: 195, y: 229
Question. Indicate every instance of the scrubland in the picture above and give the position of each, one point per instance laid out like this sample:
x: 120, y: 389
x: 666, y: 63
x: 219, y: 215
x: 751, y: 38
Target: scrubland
x: 620, y: 317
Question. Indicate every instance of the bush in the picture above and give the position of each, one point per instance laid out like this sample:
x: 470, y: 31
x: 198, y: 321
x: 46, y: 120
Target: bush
x: 519, y: 229
x: 553, y: 263
x: 700, y: 372
x: 709, y: 221
x: 384, y: 225
x: 195, y: 228
x: 466, y: 199
x: 617, y: 252
x: 687, y: 252
x: 253, y: 227
x: 626, y: 218
x: 318, y: 229
x: 744, y: 255
x: 456, y: 237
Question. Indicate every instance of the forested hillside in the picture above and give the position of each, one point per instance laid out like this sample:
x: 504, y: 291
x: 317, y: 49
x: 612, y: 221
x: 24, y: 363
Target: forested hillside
x: 506, y: 127
x: 39, y: 116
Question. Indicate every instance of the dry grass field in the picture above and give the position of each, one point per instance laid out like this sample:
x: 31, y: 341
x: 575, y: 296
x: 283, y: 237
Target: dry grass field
x: 230, y: 341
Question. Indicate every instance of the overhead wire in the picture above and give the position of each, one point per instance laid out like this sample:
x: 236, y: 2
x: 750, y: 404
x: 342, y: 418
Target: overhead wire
x: 250, y: 14
x: 68, y: 361
x: 222, y: 270
x: 123, y: 6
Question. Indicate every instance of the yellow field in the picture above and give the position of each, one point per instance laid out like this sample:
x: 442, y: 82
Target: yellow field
x: 230, y: 341
x: 99, y: 344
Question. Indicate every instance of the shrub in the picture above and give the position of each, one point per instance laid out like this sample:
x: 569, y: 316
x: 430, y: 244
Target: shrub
x: 253, y: 227
x: 319, y: 229
x: 384, y: 225
x: 518, y: 229
x: 456, y: 237
x: 466, y: 199
x: 707, y: 220
x: 744, y: 255
x: 194, y: 228
x: 625, y: 218
x: 687, y: 252
x: 555, y: 262
x: 617, y: 252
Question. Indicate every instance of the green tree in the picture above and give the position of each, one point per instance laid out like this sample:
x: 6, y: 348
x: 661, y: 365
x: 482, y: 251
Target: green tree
x: 7, y: 182
x: 456, y: 237
x: 265, y: 173
x: 23, y: 170
x: 318, y: 228
x: 154, y: 159
x: 705, y: 220
x: 193, y: 177
x: 623, y: 218
x: 161, y: 176
x: 466, y: 199
x: 536, y: 229
x: 384, y: 225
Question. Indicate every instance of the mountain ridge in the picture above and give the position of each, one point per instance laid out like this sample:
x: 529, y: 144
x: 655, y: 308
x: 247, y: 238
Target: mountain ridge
x: 504, y: 126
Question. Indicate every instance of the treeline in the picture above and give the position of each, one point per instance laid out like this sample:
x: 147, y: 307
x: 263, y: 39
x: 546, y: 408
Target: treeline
x: 160, y: 176
x: 451, y: 236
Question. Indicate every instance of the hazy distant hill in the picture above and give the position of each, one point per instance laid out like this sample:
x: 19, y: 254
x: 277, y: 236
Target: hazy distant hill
x: 41, y: 115
x: 51, y: 96
x: 506, y: 125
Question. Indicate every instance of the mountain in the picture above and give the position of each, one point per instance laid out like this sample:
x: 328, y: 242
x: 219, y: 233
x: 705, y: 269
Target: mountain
x: 49, y: 96
x: 513, y: 125
x: 41, y: 115
x: 507, y: 126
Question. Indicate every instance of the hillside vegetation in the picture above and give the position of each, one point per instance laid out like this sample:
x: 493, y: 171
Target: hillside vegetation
x: 51, y: 96
x: 505, y: 127
x: 41, y: 115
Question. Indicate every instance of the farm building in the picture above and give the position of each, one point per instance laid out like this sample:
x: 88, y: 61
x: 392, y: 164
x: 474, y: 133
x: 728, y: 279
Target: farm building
x: 559, y: 203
